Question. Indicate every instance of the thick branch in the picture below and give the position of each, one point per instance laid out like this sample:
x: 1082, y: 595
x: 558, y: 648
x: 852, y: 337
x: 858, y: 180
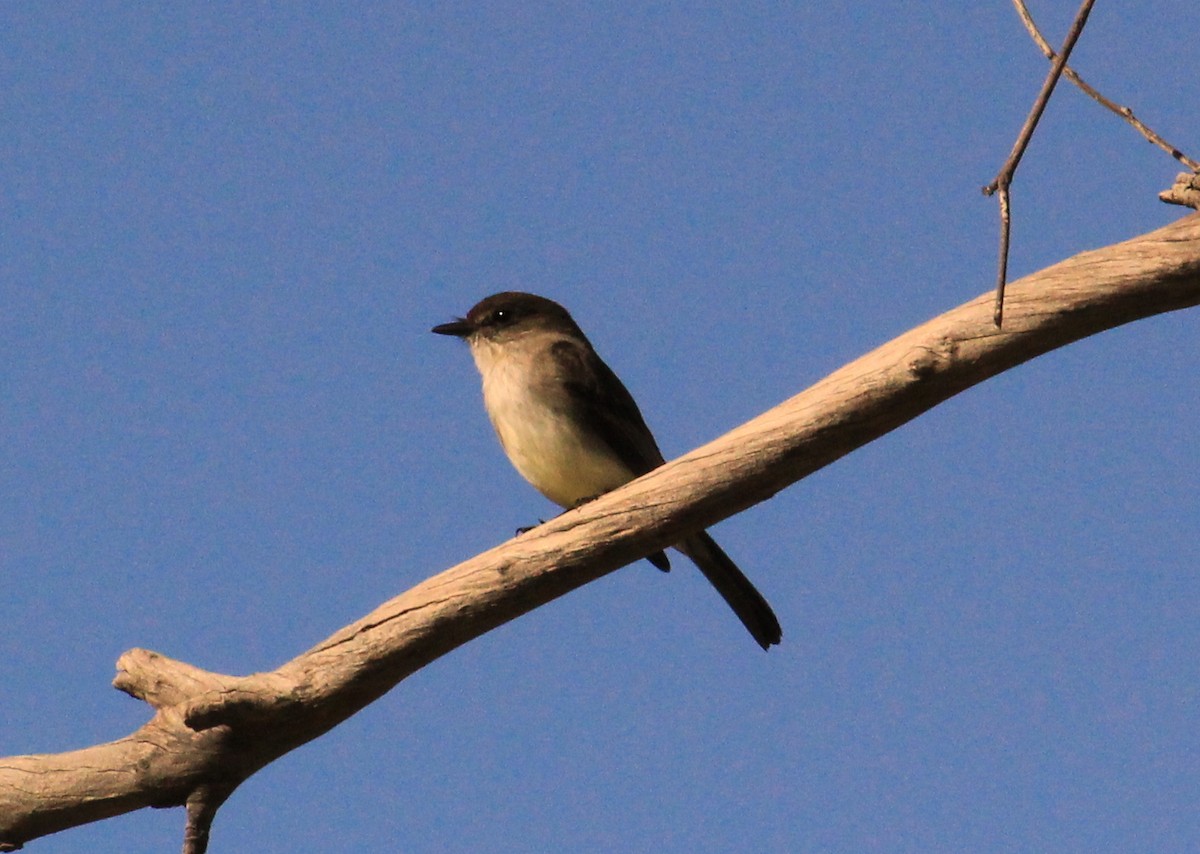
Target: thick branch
x: 212, y: 731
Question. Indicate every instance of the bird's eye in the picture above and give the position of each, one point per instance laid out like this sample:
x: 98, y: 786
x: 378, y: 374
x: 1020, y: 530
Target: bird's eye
x: 500, y: 316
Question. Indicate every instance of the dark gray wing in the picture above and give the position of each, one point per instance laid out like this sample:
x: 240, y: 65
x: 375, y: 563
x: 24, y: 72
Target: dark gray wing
x: 603, y: 402
x: 600, y: 400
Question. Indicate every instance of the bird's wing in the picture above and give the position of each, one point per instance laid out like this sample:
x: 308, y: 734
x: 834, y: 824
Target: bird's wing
x: 606, y: 405
x: 601, y: 401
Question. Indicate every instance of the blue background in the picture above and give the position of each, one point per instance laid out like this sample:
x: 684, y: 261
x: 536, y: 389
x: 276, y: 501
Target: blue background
x: 225, y: 230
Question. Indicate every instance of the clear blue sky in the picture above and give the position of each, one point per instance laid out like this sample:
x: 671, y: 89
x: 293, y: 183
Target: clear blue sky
x: 225, y: 230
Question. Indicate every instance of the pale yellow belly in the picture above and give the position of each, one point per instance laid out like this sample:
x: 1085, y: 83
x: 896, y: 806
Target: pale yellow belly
x: 549, y: 451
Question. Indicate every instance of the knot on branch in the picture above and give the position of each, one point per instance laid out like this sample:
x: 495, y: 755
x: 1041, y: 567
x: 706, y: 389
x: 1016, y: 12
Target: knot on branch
x: 926, y: 361
x: 204, y: 699
x: 161, y: 681
x: 1185, y: 191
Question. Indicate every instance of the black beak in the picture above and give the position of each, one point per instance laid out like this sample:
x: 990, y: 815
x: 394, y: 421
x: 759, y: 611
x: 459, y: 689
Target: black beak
x: 460, y: 328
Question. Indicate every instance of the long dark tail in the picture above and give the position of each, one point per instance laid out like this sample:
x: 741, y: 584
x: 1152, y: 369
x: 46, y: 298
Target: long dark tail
x: 735, y: 588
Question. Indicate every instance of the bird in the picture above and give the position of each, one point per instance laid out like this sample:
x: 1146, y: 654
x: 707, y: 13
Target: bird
x: 574, y: 432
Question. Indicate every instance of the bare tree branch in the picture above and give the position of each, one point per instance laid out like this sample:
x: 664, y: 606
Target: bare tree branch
x: 1089, y: 90
x: 1003, y: 181
x: 210, y: 731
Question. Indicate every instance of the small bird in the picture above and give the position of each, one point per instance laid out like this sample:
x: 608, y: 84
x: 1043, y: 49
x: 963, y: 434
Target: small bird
x: 571, y: 428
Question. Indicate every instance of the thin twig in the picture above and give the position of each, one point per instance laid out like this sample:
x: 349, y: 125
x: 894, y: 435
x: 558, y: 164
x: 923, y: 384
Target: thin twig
x: 1002, y: 268
x: 1122, y: 111
x: 1004, y: 179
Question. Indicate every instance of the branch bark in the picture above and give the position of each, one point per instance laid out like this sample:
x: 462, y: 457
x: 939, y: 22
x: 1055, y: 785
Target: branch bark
x: 209, y: 731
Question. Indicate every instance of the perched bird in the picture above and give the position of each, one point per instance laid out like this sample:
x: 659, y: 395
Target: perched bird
x: 571, y: 428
